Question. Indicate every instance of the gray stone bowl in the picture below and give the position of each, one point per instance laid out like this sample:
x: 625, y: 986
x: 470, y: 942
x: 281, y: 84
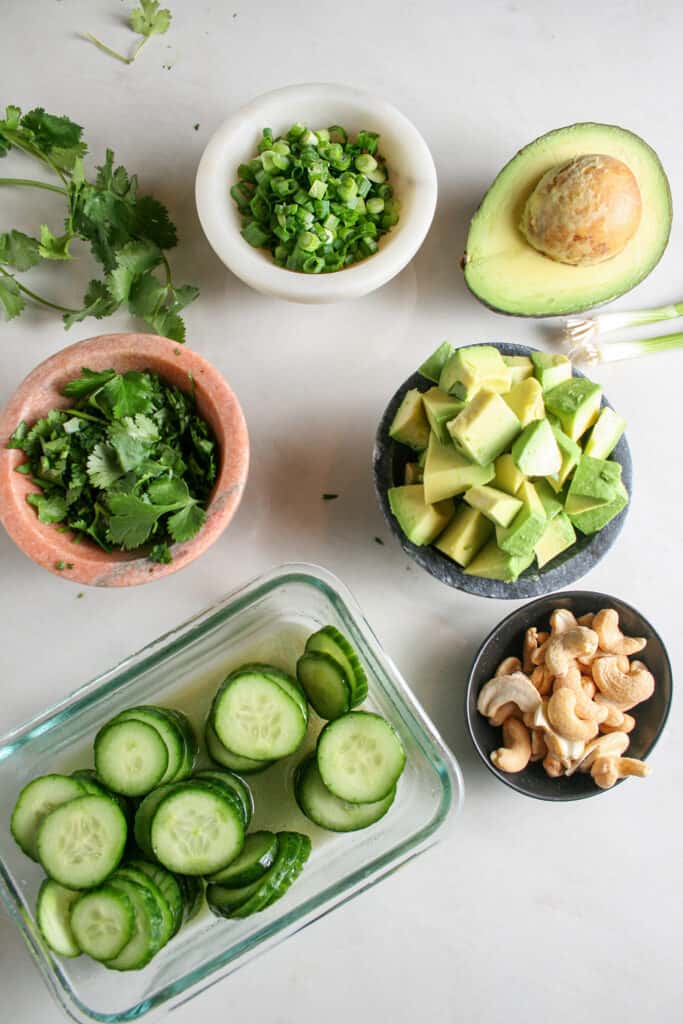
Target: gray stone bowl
x: 507, y: 638
x: 389, y: 459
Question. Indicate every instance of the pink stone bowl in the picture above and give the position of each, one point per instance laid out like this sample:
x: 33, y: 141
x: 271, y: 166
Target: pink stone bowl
x: 41, y: 391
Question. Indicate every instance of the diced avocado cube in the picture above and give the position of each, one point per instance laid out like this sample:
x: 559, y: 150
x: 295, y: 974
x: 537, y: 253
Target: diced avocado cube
x: 520, y: 368
x: 465, y: 536
x: 472, y: 368
x: 551, y: 369
x: 499, y: 507
x: 485, y: 427
x: 604, y: 436
x: 526, y: 401
x: 508, y: 478
x: 494, y: 564
x: 557, y: 537
x: 594, y: 519
x: 422, y: 458
x: 432, y: 367
x: 526, y: 529
x: 440, y: 408
x: 576, y: 403
x: 422, y: 523
x: 410, y: 424
x: 595, y: 478
x: 571, y: 453
x: 536, y: 452
x: 551, y: 503
x: 412, y: 474
x: 448, y: 473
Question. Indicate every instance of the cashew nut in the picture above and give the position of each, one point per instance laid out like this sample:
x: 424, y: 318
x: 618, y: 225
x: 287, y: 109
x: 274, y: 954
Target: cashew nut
x: 612, y: 640
x: 585, y: 707
x: 589, y: 687
x: 586, y: 620
x: 530, y: 645
x: 505, y: 711
x: 610, y: 745
x: 627, y: 724
x: 563, y: 750
x: 542, y: 680
x: 563, y: 648
x: 516, y: 688
x: 538, y: 745
x: 564, y: 719
x: 552, y: 766
x: 508, y: 666
x: 561, y: 620
x: 624, y: 686
x: 514, y: 755
x: 608, y: 770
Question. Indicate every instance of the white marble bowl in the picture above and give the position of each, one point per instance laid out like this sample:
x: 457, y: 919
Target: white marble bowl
x: 411, y: 173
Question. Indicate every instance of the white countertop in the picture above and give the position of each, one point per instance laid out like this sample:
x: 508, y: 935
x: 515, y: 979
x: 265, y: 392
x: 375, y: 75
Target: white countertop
x: 530, y: 912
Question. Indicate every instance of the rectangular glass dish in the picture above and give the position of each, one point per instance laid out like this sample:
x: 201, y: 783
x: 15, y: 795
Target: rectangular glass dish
x: 269, y: 619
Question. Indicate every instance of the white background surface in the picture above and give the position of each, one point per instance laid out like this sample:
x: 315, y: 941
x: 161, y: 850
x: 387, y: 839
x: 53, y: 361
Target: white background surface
x: 531, y: 911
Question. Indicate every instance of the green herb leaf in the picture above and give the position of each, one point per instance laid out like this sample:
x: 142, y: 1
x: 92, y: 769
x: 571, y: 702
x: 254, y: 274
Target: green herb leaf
x: 153, y: 223
x: 133, y: 260
x: 52, y: 247
x: 124, y: 395
x: 186, y: 523
x: 161, y: 553
x: 149, y: 20
x: 170, y: 493
x: 51, y: 132
x: 103, y: 466
x: 97, y: 301
x: 51, y: 509
x: 11, y: 299
x: 19, y: 250
x: 88, y: 382
x: 132, y: 520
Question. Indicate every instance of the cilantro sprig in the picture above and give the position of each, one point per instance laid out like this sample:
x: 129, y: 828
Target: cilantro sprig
x: 147, y: 20
x: 128, y: 234
x: 130, y: 463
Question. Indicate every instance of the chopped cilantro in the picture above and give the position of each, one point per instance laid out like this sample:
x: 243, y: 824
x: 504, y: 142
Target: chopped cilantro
x: 60, y: 565
x: 131, y: 463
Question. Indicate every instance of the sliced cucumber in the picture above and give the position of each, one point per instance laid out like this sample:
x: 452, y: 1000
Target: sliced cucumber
x: 286, y: 682
x: 81, y: 842
x: 221, y: 755
x: 145, y: 941
x: 36, y: 800
x: 253, y: 716
x: 360, y: 757
x: 327, y: 810
x: 169, y: 887
x: 258, y: 854
x: 145, y: 813
x: 132, y: 874
x: 102, y: 921
x: 293, y: 852
x: 222, y: 900
x: 169, y: 731
x: 197, y: 829
x: 130, y: 757
x: 53, y: 914
x: 89, y: 780
x: 193, y: 895
x: 329, y: 640
x: 326, y: 684
x: 233, y: 783
x: 191, y: 746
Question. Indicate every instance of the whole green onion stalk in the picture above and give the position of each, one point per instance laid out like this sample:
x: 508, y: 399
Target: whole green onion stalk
x: 589, y: 350
x: 579, y: 329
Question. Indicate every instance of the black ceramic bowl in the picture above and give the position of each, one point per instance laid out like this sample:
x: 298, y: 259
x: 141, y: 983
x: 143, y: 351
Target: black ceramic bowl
x: 507, y: 638
x: 389, y: 459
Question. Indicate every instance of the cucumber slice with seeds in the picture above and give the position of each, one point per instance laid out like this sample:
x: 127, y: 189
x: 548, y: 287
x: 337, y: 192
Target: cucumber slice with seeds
x: 145, y: 941
x: 253, y: 716
x: 360, y: 757
x: 89, y: 780
x: 168, y: 885
x: 258, y: 854
x: 130, y: 757
x: 293, y: 852
x: 329, y: 640
x: 53, y: 915
x: 81, y: 842
x: 326, y: 684
x: 144, y: 815
x: 290, y: 685
x: 221, y: 755
x: 169, y: 731
x: 235, y: 785
x: 132, y: 874
x: 103, y: 921
x: 191, y: 746
x: 197, y: 829
x: 36, y: 800
x: 327, y: 810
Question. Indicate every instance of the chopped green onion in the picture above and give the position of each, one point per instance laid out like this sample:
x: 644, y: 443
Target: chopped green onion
x: 365, y: 163
x: 375, y: 205
x: 317, y: 189
x: 255, y: 235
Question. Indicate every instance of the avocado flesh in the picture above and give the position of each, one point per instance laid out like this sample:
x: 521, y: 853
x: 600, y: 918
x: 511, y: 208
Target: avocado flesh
x: 497, y: 506
x: 485, y: 427
x: 571, y: 453
x: 494, y: 564
x: 447, y: 472
x: 509, y: 275
x: 410, y: 425
x: 421, y: 522
x: 412, y: 474
x: 594, y: 519
x: 595, y: 478
x: 520, y: 368
x: 508, y: 478
x: 536, y: 452
x: 551, y: 503
x: 558, y: 535
x: 550, y: 369
x: 441, y: 407
x: 433, y: 366
x: 474, y: 367
x: 576, y: 404
x: 465, y: 536
x: 605, y: 434
x: 526, y: 401
x: 526, y: 529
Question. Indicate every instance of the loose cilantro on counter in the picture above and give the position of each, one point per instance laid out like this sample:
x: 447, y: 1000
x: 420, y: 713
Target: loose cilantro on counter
x: 128, y: 233
x: 147, y: 20
x: 129, y: 463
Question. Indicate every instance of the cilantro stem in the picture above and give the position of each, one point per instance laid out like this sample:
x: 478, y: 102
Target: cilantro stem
x: 85, y: 416
x: 34, y: 152
x: 30, y: 183
x: 37, y: 298
x: 107, y: 49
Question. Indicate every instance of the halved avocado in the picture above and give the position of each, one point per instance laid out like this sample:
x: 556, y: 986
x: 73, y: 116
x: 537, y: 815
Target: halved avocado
x: 510, y: 276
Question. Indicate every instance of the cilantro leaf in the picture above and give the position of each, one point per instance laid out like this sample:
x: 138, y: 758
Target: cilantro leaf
x: 148, y: 20
x: 169, y: 492
x: 18, y: 250
x: 52, y: 247
x: 97, y: 301
x: 124, y: 395
x: 8, y: 126
x: 50, y: 509
x: 132, y: 520
x: 88, y: 382
x: 11, y: 299
x: 153, y: 223
x: 133, y: 260
x: 51, y: 132
x: 161, y: 553
x: 168, y: 325
x: 147, y: 294
x: 185, y: 523
x: 103, y: 466
x: 131, y: 451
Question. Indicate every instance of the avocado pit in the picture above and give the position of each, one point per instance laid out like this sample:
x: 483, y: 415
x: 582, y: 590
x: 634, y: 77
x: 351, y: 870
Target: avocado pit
x: 584, y: 211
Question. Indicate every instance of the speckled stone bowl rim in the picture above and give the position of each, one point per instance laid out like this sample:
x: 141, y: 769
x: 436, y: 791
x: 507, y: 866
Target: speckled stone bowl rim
x: 560, y: 573
x: 40, y: 392
x: 578, y: 786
